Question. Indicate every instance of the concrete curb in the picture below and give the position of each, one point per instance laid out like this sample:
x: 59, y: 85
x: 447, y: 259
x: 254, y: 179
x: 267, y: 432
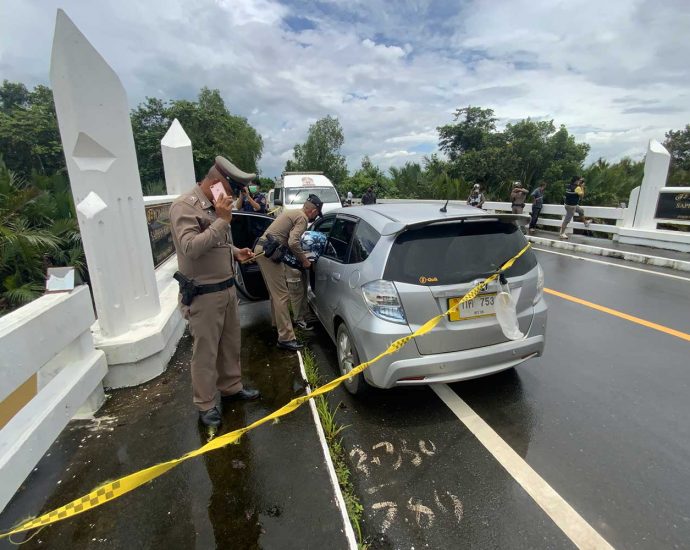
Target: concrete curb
x: 657, y: 261
x: 347, y: 526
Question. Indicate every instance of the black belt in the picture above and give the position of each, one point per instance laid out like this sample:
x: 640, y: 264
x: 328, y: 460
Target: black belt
x: 216, y: 287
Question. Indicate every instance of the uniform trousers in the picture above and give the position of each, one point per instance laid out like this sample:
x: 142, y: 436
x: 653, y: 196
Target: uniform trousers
x: 274, y: 277
x: 297, y: 288
x: 214, y: 323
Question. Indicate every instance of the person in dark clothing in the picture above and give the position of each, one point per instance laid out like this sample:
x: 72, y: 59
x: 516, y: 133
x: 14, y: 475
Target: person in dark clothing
x: 251, y: 200
x: 369, y: 197
x: 537, y: 204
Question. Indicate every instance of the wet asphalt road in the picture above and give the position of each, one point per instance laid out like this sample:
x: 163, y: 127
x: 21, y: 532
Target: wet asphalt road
x: 602, y: 417
x: 271, y: 490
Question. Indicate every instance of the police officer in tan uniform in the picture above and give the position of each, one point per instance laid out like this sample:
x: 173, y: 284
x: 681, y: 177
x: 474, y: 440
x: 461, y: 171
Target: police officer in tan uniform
x: 200, y: 231
x: 286, y: 230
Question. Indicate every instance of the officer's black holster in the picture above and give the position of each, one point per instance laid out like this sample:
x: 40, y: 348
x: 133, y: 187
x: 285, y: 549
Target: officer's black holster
x: 189, y: 289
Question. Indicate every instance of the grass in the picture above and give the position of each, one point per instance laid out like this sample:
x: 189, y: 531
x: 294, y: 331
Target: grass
x: 332, y: 429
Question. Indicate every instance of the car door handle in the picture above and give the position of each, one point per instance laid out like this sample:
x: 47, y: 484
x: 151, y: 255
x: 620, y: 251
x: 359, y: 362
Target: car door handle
x: 335, y: 276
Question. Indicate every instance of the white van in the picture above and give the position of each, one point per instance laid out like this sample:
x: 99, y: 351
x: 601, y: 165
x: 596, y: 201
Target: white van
x: 293, y: 188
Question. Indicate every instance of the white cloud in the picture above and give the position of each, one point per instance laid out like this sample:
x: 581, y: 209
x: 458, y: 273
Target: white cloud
x: 615, y: 73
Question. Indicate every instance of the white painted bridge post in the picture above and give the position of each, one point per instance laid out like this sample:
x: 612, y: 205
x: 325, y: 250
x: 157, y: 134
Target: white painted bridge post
x: 137, y: 335
x: 178, y: 161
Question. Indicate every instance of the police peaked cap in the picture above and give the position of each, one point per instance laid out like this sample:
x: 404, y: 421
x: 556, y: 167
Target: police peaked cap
x: 230, y: 171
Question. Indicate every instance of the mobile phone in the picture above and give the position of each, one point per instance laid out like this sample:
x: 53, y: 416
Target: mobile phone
x: 217, y: 190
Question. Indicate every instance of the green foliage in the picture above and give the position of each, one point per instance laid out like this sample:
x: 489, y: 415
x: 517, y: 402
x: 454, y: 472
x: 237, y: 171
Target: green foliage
x: 321, y: 151
x: 38, y: 229
x: 332, y: 430
x: 29, y: 135
x: 611, y: 184
x: 678, y: 144
x: 210, y: 126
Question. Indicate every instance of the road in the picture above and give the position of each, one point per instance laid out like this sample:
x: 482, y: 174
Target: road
x: 601, y: 421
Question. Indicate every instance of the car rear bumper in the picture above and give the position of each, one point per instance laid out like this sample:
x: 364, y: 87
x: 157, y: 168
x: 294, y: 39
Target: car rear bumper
x: 458, y: 365
x: 408, y: 367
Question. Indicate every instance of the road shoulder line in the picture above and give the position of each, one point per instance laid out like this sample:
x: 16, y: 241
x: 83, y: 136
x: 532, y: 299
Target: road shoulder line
x: 340, y: 501
x: 563, y: 515
x: 602, y: 262
x: 636, y: 257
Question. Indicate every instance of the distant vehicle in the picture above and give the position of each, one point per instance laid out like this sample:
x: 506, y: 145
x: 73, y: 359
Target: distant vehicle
x: 293, y: 188
x: 389, y: 268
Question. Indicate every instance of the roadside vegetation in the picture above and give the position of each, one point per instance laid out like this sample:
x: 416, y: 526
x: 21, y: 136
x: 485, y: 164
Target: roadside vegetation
x: 332, y: 430
x: 38, y: 227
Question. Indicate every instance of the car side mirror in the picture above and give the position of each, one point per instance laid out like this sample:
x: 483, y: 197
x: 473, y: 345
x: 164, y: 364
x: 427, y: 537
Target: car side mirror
x: 278, y: 202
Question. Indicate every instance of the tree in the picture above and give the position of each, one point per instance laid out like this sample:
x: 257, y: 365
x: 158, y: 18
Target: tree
x: 321, y: 151
x: 38, y: 229
x: 475, y: 131
x: 678, y: 145
x: 29, y: 135
x: 212, y: 129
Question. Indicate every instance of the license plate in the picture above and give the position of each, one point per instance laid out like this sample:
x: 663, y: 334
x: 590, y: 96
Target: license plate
x: 480, y: 306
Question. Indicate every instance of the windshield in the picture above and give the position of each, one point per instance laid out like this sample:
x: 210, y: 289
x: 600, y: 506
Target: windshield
x: 456, y: 253
x: 299, y: 195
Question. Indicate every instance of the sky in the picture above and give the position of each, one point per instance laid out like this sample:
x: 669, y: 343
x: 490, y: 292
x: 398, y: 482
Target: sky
x: 615, y: 72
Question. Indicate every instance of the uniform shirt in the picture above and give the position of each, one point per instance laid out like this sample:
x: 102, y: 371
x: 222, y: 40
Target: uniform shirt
x: 517, y: 197
x: 288, y: 228
x: 202, y: 239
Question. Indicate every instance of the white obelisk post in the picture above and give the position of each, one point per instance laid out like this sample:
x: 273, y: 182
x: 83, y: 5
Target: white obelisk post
x: 656, y: 165
x: 96, y: 131
x: 178, y: 161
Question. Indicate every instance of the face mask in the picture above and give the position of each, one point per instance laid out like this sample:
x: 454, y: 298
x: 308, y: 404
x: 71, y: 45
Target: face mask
x: 253, y: 188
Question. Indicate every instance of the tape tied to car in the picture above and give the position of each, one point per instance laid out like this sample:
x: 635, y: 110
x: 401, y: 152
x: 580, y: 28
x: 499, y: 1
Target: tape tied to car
x: 114, y: 489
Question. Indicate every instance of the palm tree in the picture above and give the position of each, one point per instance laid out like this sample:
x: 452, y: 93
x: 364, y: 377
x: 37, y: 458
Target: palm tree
x: 38, y: 229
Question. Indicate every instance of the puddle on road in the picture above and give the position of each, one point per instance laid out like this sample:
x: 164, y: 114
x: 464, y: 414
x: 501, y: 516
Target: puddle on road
x: 238, y: 493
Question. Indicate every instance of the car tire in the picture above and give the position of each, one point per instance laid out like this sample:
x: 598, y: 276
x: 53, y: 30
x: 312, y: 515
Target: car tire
x: 347, y: 359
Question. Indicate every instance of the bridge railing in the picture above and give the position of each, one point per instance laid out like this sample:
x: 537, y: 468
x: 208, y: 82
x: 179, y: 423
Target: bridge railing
x: 50, y: 373
x: 614, y: 217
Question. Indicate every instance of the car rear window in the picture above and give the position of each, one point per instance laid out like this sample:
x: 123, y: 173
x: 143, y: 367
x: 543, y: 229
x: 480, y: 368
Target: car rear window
x: 452, y: 253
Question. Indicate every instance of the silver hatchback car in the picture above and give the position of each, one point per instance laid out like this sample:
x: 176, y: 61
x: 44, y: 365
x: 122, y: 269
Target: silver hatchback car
x: 389, y: 268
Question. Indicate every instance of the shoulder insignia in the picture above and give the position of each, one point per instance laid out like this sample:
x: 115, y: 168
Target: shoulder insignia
x: 192, y: 199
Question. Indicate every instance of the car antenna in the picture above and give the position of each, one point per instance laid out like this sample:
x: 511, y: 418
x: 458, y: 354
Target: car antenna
x: 444, y: 209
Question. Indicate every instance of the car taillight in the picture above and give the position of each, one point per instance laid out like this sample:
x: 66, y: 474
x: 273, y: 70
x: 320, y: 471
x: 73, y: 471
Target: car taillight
x: 383, y: 301
x: 540, y: 284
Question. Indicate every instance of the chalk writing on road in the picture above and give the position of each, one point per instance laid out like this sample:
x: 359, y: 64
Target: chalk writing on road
x: 384, y: 455
x: 421, y: 514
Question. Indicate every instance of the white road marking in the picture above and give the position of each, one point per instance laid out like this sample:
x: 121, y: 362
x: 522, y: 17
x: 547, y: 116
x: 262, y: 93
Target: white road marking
x: 340, y: 500
x: 568, y: 520
x: 612, y: 264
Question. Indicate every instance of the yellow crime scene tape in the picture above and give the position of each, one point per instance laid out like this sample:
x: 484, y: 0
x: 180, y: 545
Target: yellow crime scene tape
x: 114, y: 489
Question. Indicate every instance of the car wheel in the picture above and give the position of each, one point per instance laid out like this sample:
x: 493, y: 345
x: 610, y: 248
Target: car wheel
x: 347, y: 360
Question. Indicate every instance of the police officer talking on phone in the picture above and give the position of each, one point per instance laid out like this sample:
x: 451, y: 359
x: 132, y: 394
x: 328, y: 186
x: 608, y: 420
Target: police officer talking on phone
x: 200, y: 223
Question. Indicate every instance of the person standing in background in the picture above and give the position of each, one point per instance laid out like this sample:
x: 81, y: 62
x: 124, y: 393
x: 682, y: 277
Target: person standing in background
x: 369, y: 197
x: 517, y: 198
x: 476, y: 197
x: 537, y: 204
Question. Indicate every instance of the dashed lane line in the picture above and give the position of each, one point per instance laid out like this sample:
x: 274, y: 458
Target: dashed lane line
x: 620, y: 314
x: 575, y: 257
x: 581, y: 533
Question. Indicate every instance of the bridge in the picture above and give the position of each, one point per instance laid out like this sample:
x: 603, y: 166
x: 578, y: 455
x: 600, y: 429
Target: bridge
x: 587, y: 446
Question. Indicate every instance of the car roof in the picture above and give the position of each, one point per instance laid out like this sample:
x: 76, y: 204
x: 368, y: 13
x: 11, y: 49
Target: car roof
x: 390, y: 217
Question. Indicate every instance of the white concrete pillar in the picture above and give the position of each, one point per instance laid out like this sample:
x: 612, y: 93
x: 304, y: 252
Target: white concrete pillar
x: 656, y: 166
x: 93, y: 115
x: 178, y: 161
